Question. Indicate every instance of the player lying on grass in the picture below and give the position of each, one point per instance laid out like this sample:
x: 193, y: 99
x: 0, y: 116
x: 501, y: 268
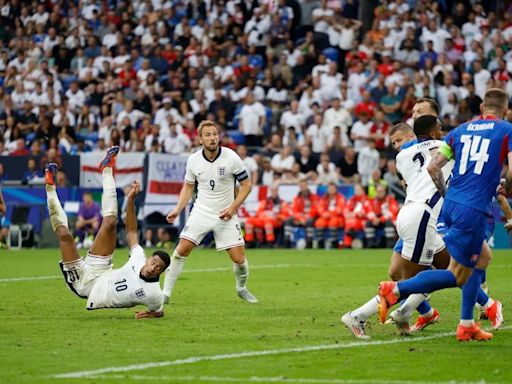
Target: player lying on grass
x: 137, y: 282
x: 215, y: 170
x: 479, y: 148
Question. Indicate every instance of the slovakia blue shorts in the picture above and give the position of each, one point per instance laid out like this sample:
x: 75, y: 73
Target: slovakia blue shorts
x: 466, y: 232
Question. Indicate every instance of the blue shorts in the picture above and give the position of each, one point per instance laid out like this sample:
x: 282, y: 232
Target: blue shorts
x: 442, y: 229
x: 398, y: 246
x: 466, y: 230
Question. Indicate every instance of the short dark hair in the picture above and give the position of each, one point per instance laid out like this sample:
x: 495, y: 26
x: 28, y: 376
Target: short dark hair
x: 402, y: 127
x: 433, y: 104
x: 495, y: 99
x: 424, y: 124
x: 164, y: 256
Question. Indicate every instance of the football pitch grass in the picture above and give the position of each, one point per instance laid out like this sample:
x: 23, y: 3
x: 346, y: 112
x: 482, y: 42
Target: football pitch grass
x: 208, y: 335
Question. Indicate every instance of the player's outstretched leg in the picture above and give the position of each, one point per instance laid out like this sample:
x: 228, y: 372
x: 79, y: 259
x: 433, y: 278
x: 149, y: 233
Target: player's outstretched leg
x: 71, y: 260
x: 355, y: 320
x: 174, y: 270
x: 241, y: 271
x: 105, y: 241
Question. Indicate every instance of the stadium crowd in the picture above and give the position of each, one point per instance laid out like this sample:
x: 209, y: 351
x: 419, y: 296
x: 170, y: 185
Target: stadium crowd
x: 299, y: 88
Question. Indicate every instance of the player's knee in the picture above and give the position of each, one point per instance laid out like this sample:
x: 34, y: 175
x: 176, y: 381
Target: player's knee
x: 394, y: 273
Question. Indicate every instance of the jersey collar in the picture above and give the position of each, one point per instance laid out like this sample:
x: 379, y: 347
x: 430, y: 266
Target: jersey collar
x: 409, y: 144
x: 488, y: 117
x: 216, y: 157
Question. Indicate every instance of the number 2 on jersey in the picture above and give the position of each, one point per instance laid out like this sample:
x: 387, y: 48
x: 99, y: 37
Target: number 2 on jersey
x: 475, y: 149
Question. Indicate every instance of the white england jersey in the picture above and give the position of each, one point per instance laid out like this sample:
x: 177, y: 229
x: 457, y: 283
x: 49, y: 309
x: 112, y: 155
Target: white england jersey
x: 215, y: 179
x: 123, y: 287
x: 412, y: 163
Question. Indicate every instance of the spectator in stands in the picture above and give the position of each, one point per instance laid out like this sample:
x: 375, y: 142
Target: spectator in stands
x: 326, y: 171
x: 284, y: 160
x: 331, y: 220
x: 32, y: 172
x: 250, y: 164
x: 374, y: 181
x: 176, y: 142
x: 347, y: 166
x: 89, y: 220
x: 20, y: 149
x: 252, y: 121
x: 361, y: 131
x: 367, y: 161
x: 380, y: 224
x: 272, y: 212
x: 356, y: 212
x: 391, y: 175
x: 299, y: 228
x: 266, y: 175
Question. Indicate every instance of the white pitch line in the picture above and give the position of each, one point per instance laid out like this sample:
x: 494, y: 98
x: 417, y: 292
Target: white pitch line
x: 196, y: 359
x: 33, y: 278
x: 202, y: 270
x: 278, y: 379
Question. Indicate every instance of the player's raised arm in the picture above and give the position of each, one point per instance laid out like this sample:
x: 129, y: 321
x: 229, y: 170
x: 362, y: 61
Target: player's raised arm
x: 440, y: 158
x: 131, y: 218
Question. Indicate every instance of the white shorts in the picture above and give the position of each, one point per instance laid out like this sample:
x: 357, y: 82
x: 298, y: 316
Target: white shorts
x: 227, y: 234
x: 82, y: 275
x: 416, y: 226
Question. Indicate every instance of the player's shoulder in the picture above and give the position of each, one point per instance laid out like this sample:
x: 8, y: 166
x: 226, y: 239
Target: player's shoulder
x: 228, y: 153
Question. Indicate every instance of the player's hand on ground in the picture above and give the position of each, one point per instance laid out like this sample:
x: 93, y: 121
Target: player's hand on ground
x: 134, y: 191
x: 172, y: 216
x: 226, y: 214
x: 147, y: 314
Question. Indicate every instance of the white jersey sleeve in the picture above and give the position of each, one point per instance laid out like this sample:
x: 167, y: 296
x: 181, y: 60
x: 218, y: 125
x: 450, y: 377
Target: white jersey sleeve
x: 412, y: 164
x: 190, y: 177
x: 124, y: 287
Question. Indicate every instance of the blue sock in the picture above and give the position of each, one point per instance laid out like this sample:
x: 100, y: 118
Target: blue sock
x: 481, y: 296
x: 484, y: 276
x: 426, y: 282
x: 424, y: 307
x: 469, y: 294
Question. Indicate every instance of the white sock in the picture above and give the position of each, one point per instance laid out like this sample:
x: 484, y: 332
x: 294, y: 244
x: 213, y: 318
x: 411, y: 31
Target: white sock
x: 109, y: 196
x: 467, y: 323
x: 241, y: 272
x: 410, y: 304
x: 367, y: 310
x: 172, y: 273
x: 57, y: 215
x: 488, y: 304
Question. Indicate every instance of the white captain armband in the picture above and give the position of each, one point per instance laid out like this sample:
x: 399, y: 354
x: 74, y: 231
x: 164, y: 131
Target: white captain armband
x: 242, y: 176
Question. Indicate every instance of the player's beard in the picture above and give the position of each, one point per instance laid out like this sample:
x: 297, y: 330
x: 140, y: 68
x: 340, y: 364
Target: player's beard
x: 212, y: 148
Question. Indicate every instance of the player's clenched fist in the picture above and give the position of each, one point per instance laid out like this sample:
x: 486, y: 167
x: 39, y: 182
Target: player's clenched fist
x: 172, y: 216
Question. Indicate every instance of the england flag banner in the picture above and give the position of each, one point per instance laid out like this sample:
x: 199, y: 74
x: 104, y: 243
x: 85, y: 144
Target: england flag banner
x: 129, y: 167
x: 165, y: 179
